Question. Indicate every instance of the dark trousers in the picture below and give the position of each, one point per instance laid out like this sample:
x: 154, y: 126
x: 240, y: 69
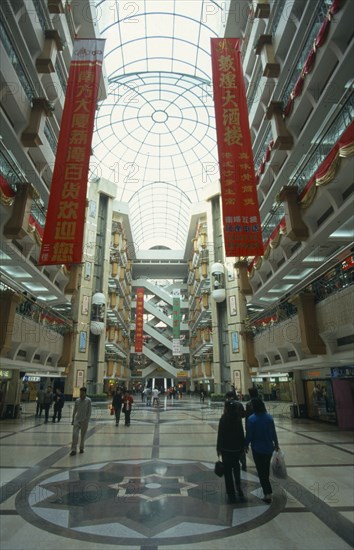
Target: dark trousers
x: 127, y: 418
x: 46, y: 408
x: 262, y: 462
x: 39, y: 408
x: 232, y: 472
x: 57, y: 412
x: 243, y: 460
x: 117, y: 413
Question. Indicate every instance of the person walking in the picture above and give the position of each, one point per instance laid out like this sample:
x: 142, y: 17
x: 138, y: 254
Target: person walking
x: 80, y: 420
x: 230, y: 445
x: 262, y: 436
x: 155, y: 397
x: 117, y: 404
x: 58, y: 400
x: 40, y: 400
x: 127, y: 406
x: 47, y: 402
x: 229, y: 396
x: 148, y: 396
x: 253, y: 393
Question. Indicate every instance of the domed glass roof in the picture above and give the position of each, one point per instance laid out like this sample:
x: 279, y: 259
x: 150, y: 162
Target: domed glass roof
x: 155, y: 133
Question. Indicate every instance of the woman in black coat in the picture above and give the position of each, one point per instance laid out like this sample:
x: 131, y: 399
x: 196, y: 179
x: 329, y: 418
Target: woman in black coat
x: 230, y: 445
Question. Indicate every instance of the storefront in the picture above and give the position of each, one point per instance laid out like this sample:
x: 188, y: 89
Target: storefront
x: 10, y: 393
x: 329, y: 395
x: 31, y: 383
x: 319, y: 400
x: 29, y: 387
x: 343, y: 390
x: 5, y: 377
x: 109, y: 385
x: 274, y: 387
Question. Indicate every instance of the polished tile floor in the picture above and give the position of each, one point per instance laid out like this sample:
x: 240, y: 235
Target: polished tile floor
x: 151, y: 486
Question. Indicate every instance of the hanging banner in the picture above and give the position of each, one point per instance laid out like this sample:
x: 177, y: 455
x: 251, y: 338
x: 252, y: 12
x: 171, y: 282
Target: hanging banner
x: 241, y: 219
x: 139, y: 320
x: 65, y: 221
x: 176, y: 325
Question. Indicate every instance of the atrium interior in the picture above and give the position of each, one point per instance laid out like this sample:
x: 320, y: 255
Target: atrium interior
x: 156, y: 299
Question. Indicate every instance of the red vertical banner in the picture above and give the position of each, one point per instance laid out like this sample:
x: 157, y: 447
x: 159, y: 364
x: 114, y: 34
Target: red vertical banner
x: 139, y: 320
x: 64, y: 229
x: 241, y: 219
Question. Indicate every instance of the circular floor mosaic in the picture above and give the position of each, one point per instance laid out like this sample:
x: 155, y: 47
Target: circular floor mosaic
x: 131, y: 502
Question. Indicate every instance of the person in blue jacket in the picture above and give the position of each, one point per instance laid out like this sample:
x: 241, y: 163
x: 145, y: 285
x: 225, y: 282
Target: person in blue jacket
x: 262, y: 436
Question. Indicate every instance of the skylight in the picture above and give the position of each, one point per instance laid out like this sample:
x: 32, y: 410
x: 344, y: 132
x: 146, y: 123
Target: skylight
x: 155, y: 133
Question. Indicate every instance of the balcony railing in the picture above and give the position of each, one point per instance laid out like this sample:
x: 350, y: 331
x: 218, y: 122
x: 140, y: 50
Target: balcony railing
x: 312, y: 162
x: 335, y: 280
x: 319, y: 16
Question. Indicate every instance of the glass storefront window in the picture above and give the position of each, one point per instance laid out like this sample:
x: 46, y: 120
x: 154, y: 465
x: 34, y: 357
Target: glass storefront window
x: 320, y: 400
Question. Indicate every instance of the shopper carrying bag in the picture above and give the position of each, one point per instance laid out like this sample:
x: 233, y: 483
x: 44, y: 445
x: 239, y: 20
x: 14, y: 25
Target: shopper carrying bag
x: 277, y: 464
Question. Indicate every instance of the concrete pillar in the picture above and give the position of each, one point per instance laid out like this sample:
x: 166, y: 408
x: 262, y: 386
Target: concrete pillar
x: 17, y: 226
x: 283, y: 140
x: 9, y: 302
x: 245, y: 285
x: 264, y: 48
x: 296, y: 229
x: 311, y: 341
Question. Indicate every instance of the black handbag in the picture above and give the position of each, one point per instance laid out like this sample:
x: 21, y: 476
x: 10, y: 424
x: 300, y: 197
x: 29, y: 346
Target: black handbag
x: 219, y: 468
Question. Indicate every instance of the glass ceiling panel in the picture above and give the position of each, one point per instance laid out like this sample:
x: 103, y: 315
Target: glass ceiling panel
x: 155, y: 132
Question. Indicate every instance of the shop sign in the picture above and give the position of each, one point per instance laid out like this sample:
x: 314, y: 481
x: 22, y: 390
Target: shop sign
x: 5, y: 373
x: 176, y: 346
x: 182, y: 374
x: 28, y: 378
x: 139, y: 320
x: 237, y: 379
x: 176, y: 325
x: 313, y: 374
x: 342, y: 372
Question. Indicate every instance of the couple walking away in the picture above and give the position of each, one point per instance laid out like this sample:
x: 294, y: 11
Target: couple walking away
x: 124, y: 399
x: 231, y: 442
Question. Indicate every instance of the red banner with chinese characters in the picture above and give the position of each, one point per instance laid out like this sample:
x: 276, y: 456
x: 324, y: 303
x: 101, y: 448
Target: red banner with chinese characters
x: 241, y: 219
x: 139, y: 320
x: 65, y: 221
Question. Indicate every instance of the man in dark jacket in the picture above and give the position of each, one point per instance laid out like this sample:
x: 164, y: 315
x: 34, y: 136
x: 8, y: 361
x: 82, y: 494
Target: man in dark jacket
x: 240, y: 414
x: 230, y: 445
x: 47, y: 402
x: 253, y: 393
x: 58, y: 400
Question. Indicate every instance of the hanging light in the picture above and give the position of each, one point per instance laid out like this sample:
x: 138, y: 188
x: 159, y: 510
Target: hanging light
x: 218, y: 273
x: 97, y: 313
x: 97, y: 327
x: 219, y: 295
